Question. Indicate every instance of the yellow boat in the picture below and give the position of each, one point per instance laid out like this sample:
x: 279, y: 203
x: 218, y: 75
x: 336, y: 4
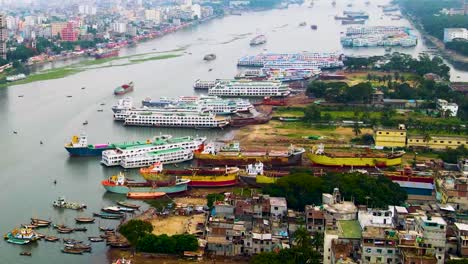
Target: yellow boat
x: 354, y: 159
x: 212, y: 181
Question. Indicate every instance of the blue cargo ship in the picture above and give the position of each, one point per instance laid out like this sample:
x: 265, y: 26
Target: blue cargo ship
x: 79, y: 146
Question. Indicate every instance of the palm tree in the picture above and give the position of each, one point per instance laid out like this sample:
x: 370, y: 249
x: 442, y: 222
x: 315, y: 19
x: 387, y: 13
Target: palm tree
x: 317, y: 241
x: 302, y: 237
x: 426, y: 139
x: 356, y: 128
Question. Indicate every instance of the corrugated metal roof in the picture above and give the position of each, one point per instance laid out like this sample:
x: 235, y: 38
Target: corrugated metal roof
x: 418, y: 185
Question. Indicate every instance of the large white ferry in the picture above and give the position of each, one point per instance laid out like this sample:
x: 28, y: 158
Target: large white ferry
x: 122, y: 115
x: 176, y: 119
x: 250, y: 88
x: 114, y: 157
x: 222, y: 106
x: 165, y: 156
x: 123, y: 105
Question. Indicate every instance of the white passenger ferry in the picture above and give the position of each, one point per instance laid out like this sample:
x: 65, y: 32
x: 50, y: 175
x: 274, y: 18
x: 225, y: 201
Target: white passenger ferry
x: 123, y: 105
x: 205, y: 85
x: 172, y: 119
x: 113, y: 157
x: 166, y: 156
x: 251, y: 89
x: 222, y: 106
x: 185, y: 108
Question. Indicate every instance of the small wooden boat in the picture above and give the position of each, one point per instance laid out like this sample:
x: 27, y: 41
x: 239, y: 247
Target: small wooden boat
x: 84, y: 247
x: 39, y: 235
x: 31, y: 226
x: 65, y: 230
x: 67, y: 250
x: 80, y: 229
x: 71, y: 241
x: 69, y: 96
x: 39, y: 224
x: 51, y: 238
x: 108, y: 215
x: 59, y: 226
x: 128, y: 205
x: 117, y: 209
x: 84, y: 220
x: 145, y: 195
x: 25, y: 253
x: 85, y: 123
x: 40, y: 221
x: 96, y: 239
x: 106, y: 229
x: 120, y: 245
x: 100, y: 110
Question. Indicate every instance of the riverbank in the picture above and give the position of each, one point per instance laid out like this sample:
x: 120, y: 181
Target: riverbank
x: 61, y: 72
x: 459, y: 61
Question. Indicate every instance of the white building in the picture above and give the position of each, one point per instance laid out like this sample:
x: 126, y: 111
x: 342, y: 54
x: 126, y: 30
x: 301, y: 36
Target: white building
x: 444, y: 107
x: 119, y: 27
x: 455, y: 33
x: 87, y: 9
x: 153, y: 15
x: 278, y: 206
x: 196, y: 11
x: 433, y: 229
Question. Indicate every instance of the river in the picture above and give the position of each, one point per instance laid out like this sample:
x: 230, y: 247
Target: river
x: 45, y: 113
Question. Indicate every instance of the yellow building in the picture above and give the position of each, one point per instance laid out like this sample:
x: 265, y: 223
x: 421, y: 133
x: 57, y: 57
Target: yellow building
x: 437, y: 142
x: 386, y: 137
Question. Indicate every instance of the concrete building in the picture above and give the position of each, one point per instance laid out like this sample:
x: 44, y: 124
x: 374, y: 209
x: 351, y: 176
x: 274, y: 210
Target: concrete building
x: 3, y: 36
x: 433, y: 230
x: 56, y: 27
x: 119, y: 27
x: 69, y: 33
x: 335, y: 209
x: 342, y: 243
x: 378, y: 236
x: 454, y: 189
x: 385, y: 137
x: 278, y: 206
x: 315, y: 219
x: 462, y: 239
x: 455, y: 33
x: 436, y: 142
x: 446, y: 108
x: 153, y: 15
x: 413, y: 250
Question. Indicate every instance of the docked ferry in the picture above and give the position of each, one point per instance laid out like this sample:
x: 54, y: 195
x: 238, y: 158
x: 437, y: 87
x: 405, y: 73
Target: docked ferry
x: 205, y: 85
x: 119, y: 184
x: 350, y: 158
x: 115, y: 156
x: 169, y: 109
x: 252, y: 74
x: 79, y: 146
x: 164, y: 156
x: 177, y: 119
x: 232, y: 155
x: 123, y: 105
x: 323, y: 60
x: 248, y: 88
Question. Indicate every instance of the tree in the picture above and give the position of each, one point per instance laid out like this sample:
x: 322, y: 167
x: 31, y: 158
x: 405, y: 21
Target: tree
x: 356, y: 127
x: 213, y: 197
x: 302, y: 238
x: 317, y: 240
x: 135, y: 229
x: 312, y: 113
x: 396, y: 75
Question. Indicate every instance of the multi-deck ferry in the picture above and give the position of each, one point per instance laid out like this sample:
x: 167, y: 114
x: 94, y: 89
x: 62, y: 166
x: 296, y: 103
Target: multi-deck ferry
x: 176, y: 119
x: 114, y: 157
x: 123, y: 105
x: 250, y: 88
x: 322, y: 60
x: 164, y: 156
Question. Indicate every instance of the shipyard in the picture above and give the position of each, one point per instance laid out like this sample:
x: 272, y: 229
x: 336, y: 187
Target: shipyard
x: 235, y: 132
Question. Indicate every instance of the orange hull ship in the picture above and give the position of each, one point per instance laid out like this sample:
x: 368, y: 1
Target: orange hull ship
x: 145, y: 195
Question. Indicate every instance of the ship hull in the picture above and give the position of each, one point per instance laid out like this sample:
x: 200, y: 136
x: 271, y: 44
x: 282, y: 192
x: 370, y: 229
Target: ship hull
x: 211, y: 181
x: 85, y: 152
x: 209, y: 159
x: 174, y: 189
x: 324, y: 160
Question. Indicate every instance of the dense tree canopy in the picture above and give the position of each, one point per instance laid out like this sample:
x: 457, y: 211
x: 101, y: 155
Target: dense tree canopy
x: 452, y: 155
x: 301, y: 188
x: 341, y: 92
x: 134, y: 229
